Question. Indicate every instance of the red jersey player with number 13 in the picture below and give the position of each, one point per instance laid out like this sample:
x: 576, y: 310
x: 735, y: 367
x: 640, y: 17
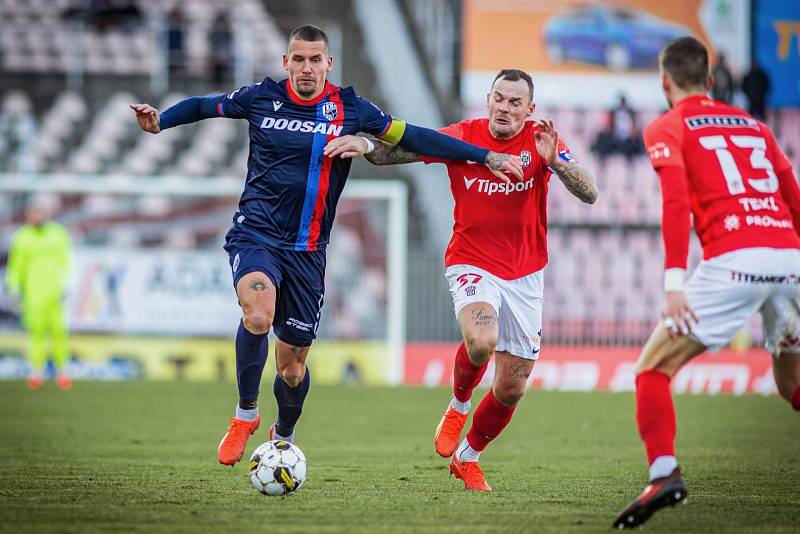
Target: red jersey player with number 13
x: 723, y: 167
x: 495, y: 261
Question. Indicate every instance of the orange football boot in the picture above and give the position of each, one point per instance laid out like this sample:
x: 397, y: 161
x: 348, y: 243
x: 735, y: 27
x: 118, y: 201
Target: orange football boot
x: 470, y: 473
x: 448, y: 433
x: 63, y: 382
x: 35, y: 382
x: 231, y: 448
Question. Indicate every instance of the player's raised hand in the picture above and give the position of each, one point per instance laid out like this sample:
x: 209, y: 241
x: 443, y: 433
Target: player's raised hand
x: 546, y: 141
x: 347, y: 146
x: 502, y: 165
x: 677, y: 315
x: 147, y: 116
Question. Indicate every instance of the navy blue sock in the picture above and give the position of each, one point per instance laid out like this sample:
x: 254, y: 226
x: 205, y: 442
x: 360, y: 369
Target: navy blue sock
x: 251, y: 355
x: 290, y: 403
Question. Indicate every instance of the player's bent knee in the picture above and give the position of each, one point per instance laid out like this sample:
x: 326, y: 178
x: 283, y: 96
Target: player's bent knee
x: 257, y: 323
x: 293, y: 374
x: 480, y: 349
x: 508, y: 394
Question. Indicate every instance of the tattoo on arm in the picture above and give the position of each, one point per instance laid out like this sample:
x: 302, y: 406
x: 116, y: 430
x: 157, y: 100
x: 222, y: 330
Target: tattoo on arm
x: 578, y: 181
x: 518, y: 370
x: 481, y: 318
x: 388, y: 154
x: 495, y: 161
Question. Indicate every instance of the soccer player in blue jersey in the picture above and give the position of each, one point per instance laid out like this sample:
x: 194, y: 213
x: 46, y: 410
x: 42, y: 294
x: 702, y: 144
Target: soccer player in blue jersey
x: 276, y: 246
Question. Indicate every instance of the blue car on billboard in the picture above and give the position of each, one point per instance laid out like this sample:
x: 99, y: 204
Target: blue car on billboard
x: 618, y: 38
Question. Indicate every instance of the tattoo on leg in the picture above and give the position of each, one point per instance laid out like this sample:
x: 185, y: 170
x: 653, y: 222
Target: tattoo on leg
x: 297, y: 350
x: 258, y: 285
x: 518, y: 370
x: 481, y: 318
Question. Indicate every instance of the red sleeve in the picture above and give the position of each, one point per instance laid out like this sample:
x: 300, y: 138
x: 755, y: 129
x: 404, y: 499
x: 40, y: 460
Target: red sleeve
x: 791, y: 195
x: 774, y: 153
x: 454, y: 130
x: 663, y: 140
x: 675, y: 218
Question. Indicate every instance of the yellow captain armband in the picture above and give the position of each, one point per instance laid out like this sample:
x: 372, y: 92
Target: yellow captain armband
x: 394, y: 132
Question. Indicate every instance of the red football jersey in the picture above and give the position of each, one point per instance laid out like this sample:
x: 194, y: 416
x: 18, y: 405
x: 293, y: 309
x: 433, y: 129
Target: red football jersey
x: 739, y: 184
x: 501, y: 229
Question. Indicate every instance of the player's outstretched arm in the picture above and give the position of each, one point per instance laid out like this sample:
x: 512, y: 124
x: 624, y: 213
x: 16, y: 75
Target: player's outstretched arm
x: 388, y: 154
x: 575, y: 178
x: 433, y: 144
x: 382, y: 153
x: 186, y: 111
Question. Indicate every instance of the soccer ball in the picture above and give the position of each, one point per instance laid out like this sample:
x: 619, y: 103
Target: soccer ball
x: 277, y: 468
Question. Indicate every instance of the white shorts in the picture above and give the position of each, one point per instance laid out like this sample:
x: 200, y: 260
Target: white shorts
x: 517, y: 303
x: 727, y: 290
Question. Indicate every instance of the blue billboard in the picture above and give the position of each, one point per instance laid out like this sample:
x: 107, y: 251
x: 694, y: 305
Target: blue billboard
x: 776, y: 45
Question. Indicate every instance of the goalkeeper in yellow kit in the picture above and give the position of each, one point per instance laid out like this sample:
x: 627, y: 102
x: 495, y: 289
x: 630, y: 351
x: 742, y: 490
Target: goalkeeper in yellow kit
x: 39, y: 268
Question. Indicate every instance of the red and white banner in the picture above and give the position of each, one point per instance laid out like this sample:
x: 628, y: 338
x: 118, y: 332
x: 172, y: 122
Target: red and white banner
x: 568, y: 368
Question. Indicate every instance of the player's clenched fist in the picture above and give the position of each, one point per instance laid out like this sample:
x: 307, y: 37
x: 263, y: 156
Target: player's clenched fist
x: 147, y: 116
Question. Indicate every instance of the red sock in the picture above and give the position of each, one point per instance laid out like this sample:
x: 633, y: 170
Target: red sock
x: 489, y: 420
x: 466, y: 376
x: 796, y: 399
x: 655, y: 414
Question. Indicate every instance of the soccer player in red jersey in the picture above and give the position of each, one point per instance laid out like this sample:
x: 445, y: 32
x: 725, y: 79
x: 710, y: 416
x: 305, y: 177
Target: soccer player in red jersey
x: 494, y: 260
x: 723, y: 168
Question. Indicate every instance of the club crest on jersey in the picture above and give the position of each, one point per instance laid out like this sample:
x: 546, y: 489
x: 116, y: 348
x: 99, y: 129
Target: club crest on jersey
x: 329, y: 111
x: 525, y: 156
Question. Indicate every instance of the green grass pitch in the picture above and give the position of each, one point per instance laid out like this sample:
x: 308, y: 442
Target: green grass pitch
x: 142, y: 457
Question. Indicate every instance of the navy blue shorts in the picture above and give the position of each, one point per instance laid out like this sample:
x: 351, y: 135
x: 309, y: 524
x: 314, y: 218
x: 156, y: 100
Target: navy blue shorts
x: 299, y: 278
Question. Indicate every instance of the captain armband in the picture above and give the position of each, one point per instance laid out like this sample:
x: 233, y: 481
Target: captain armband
x: 394, y: 132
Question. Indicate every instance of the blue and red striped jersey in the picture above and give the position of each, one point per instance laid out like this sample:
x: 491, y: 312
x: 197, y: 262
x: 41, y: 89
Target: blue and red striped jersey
x: 291, y: 191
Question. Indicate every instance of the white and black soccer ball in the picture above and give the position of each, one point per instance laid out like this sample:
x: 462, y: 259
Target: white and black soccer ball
x: 277, y: 468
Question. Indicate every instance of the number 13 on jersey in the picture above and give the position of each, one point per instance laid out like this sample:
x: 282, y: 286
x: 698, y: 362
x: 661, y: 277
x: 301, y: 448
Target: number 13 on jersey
x: 758, y: 160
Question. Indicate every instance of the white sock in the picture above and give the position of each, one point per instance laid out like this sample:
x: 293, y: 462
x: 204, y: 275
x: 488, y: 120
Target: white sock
x: 246, y: 415
x: 465, y: 453
x: 460, y: 407
x: 278, y: 437
x: 662, y: 466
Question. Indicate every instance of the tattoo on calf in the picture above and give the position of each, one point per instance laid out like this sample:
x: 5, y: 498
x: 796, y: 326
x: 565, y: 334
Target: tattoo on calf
x: 483, y: 319
x: 297, y: 350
